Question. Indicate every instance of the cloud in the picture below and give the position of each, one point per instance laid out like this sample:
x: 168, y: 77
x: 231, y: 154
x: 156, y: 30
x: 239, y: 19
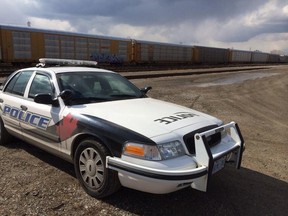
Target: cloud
x: 285, y: 10
x: 9, y: 14
x: 53, y: 24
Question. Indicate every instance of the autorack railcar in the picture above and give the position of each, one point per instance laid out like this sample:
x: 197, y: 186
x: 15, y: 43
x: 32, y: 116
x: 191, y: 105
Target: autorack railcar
x: 22, y: 44
x: 27, y: 45
x: 259, y: 57
x: 240, y: 56
x: 210, y: 55
x: 155, y: 52
x: 283, y: 59
x: 273, y: 58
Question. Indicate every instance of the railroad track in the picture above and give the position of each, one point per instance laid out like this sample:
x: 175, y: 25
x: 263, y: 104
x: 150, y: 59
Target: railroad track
x: 152, y: 71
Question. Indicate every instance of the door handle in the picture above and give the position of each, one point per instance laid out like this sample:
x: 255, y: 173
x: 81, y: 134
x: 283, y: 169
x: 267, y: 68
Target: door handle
x: 1, y: 100
x: 24, y: 108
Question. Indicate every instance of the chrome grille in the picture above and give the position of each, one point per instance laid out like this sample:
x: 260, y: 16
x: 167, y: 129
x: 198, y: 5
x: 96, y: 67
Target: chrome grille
x: 211, y: 140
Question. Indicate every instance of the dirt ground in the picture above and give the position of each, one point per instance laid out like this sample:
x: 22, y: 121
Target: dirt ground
x: 33, y: 182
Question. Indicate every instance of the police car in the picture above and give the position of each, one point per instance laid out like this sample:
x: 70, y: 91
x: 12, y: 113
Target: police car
x: 112, y: 132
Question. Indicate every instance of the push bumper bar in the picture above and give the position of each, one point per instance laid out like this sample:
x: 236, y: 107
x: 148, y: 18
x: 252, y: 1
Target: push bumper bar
x: 209, y: 160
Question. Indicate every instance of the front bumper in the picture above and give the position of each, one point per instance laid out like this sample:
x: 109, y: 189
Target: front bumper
x: 195, y: 170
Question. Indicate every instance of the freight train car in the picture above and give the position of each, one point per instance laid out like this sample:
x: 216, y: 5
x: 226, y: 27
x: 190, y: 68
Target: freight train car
x: 259, y: 57
x: 21, y: 44
x: 240, y: 56
x: 273, y: 58
x: 152, y: 52
x: 210, y: 55
x: 283, y: 59
x: 27, y: 45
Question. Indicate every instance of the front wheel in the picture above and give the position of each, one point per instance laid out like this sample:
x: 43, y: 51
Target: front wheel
x: 94, y: 177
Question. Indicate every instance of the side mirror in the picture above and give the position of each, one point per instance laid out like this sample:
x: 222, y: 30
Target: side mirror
x: 44, y: 98
x: 146, y: 89
x: 66, y: 94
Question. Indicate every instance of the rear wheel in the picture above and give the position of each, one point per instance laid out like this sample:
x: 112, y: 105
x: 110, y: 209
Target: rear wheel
x: 94, y: 177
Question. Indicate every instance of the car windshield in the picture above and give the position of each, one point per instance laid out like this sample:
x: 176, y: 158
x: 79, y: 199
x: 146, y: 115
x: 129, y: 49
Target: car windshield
x: 91, y: 87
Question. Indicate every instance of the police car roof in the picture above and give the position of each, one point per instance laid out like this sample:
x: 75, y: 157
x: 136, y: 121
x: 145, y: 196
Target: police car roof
x: 69, y: 69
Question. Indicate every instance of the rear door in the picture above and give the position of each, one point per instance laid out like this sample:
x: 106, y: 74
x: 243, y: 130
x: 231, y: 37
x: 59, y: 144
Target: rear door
x: 11, y: 101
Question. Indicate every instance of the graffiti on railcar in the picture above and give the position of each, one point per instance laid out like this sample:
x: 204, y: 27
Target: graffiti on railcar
x: 106, y: 58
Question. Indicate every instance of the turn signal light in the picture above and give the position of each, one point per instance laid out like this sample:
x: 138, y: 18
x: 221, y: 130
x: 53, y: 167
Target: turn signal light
x: 137, y: 150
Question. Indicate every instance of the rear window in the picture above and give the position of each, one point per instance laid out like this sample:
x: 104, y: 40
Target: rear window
x: 17, y: 84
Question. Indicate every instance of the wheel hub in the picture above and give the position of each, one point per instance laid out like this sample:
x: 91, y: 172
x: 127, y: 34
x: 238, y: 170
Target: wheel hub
x: 91, y: 168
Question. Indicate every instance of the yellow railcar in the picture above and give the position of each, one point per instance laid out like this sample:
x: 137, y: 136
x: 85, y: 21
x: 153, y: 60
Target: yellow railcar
x: 27, y: 45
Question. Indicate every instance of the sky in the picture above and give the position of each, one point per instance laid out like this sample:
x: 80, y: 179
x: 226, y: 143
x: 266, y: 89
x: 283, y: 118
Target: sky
x: 236, y: 24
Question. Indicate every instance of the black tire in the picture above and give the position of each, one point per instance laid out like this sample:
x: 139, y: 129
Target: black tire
x: 91, y: 171
x: 5, y: 137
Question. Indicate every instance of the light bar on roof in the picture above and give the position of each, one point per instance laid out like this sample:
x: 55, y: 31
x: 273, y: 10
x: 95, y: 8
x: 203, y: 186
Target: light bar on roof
x: 66, y: 62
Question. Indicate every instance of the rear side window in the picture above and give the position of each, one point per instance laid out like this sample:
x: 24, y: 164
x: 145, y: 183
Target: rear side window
x: 18, y: 83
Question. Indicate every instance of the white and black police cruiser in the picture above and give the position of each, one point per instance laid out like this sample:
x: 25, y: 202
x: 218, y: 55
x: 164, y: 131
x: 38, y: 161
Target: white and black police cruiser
x: 112, y: 132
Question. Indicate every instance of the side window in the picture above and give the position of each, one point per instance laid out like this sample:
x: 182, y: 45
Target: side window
x: 18, y: 83
x: 40, y: 84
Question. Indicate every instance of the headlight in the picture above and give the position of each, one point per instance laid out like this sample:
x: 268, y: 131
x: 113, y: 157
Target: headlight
x: 171, y: 149
x: 159, y: 152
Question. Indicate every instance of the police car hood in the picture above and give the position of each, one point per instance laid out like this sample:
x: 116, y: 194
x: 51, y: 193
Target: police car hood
x: 147, y: 116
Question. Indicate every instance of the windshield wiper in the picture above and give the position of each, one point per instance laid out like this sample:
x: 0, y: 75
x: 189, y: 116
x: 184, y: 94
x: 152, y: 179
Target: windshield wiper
x: 88, y: 100
x: 123, y: 96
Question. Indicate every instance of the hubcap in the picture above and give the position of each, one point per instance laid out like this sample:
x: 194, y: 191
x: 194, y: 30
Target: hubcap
x: 91, y: 168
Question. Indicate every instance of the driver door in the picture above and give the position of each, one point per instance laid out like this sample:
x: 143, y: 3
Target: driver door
x: 39, y: 127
